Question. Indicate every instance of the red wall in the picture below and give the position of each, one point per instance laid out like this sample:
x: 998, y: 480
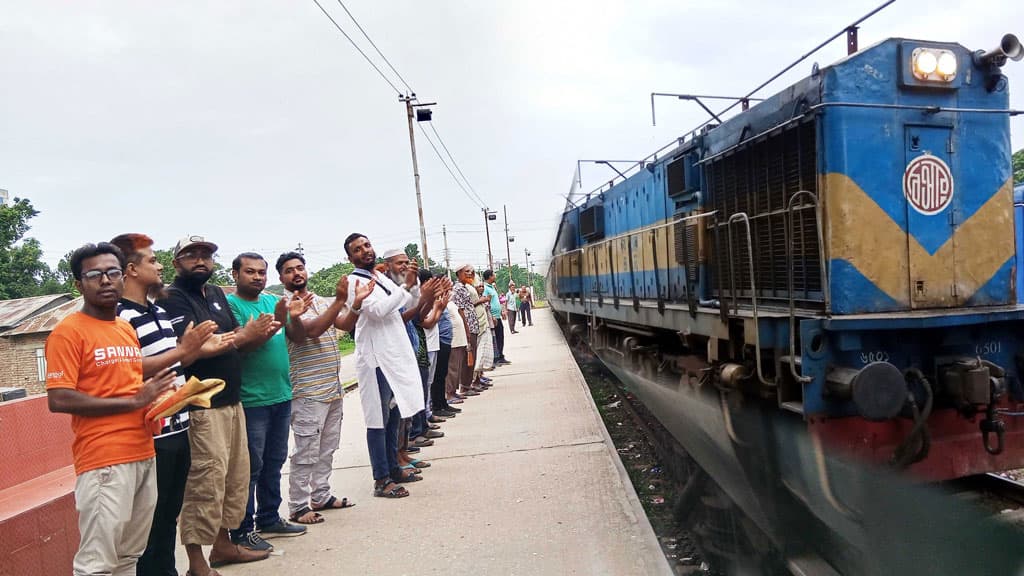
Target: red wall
x: 38, y: 521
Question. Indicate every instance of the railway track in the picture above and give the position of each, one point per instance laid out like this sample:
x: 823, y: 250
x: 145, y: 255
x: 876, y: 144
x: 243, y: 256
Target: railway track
x: 1002, y: 497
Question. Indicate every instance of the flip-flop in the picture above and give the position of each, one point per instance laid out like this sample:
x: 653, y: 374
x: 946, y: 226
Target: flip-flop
x: 411, y: 468
x: 419, y: 463
x: 296, y: 517
x: 329, y: 505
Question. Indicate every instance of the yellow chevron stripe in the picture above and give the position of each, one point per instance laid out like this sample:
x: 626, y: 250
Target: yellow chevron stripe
x: 861, y: 233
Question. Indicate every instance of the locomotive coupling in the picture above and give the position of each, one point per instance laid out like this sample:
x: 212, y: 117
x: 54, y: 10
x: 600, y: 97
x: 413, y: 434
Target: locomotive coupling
x: 971, y: 381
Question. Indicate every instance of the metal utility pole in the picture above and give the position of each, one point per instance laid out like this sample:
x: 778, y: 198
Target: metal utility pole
x: 487, y: 217
x: 408, y: 100
x: 447, y: 257
x: 508, y: 251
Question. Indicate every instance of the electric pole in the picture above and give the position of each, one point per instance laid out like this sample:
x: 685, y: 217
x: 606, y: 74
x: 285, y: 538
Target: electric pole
x: 508, y: 251
x: 421, y: 116
x: 488, y: 216
x: 447, y: 257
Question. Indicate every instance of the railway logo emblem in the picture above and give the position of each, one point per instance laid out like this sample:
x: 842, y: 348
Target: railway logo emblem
x: 928, y: 184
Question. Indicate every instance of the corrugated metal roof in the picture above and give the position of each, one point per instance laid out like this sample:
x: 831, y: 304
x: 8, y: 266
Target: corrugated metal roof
x: 14, y: 312
x: 46, y: 321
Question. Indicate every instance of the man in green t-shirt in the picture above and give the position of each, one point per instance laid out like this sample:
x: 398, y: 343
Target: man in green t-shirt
x: 266, y: 395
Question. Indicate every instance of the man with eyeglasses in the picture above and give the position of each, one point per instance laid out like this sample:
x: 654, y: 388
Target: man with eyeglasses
x: 216, y: 492
x: 95, y: 373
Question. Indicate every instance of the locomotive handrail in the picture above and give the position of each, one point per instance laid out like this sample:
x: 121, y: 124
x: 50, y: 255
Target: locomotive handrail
x: 753, y: 290
x: 816, y: 107
x: 926, y: 109
x: 789, y: 276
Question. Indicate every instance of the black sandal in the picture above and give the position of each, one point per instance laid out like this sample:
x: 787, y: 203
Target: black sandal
x: 296, y: 517
x: 402, y: 478
x: 396, y: 492
x: 329, y: 505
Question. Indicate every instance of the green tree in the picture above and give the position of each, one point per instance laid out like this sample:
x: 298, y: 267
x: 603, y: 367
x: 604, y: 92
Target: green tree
x: 521, y: 278
x: 22, y: 270
x: 322, y: 282
x: 1018, y: 167
x: 63, y: 277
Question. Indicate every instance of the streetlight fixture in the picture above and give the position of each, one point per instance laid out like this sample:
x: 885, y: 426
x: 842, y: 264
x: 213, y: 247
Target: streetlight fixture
x: 488, y: 216
x: 423, y: 114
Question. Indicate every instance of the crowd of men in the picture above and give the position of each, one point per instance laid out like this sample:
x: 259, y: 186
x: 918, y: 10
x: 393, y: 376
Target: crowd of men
x: 241, y: 373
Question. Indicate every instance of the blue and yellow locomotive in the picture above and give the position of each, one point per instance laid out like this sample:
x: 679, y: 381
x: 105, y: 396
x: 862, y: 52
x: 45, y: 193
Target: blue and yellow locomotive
x: 843, y: 252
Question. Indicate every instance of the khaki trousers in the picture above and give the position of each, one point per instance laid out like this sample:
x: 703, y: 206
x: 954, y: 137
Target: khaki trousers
x: 115, y: 511
x: 456, y: 363
x: 217, y: 489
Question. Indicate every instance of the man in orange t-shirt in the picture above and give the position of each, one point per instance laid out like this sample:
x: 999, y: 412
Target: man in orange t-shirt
x: 94, y: 373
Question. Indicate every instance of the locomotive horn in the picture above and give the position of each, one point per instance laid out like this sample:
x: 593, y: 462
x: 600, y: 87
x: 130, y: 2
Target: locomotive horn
x: 1009, y: 47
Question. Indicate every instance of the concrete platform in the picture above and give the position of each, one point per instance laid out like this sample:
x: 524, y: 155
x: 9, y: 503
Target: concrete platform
x: 525, y: 481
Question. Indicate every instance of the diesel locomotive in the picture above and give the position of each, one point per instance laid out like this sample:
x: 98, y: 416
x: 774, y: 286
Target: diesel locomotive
x: 841, y: 257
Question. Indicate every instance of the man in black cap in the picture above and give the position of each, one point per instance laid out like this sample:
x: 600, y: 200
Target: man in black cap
x: 217, y: 489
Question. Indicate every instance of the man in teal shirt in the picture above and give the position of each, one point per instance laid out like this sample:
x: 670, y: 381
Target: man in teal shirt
x: 266, y: 395
x: 496, y: 312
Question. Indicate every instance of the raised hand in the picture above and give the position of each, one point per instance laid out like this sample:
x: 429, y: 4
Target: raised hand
x: 341, y: 289
x: 153, y: 387
x: 217, y: 344
x: 363, y: 291
x: 298, y: 306
x: 412, y: 274
x: 194, y: 336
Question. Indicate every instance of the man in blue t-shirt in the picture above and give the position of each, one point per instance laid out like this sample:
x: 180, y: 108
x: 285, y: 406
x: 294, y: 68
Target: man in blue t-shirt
x: 266, y: 395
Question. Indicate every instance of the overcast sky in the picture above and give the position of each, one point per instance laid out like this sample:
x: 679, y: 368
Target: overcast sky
x: 257, y: 124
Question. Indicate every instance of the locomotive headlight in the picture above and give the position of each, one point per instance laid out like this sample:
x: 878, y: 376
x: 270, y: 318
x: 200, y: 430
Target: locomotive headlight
x: 947, y: 64
x: 925, y: 63
x: 934, y: 64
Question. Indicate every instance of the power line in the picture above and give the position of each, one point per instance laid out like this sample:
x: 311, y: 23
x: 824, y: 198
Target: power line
x: 360, y: 50
x: 367, y: 36
x: 479, y: 204
x: 454, y: 163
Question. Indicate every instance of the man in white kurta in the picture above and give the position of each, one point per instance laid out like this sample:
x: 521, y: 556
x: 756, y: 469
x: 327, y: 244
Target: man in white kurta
x: 389, y: 379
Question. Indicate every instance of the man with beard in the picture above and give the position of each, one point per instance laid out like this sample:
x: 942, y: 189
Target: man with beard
x: 401, y: 269
x: 266, y: 397
x: 160, y: 349
x: 384, y: 357
x: 94, y: 373
x: 216, y: 489
x: 317, y: 392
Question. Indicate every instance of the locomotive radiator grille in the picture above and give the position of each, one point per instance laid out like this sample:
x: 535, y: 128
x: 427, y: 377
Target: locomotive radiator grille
x: 759, y: 179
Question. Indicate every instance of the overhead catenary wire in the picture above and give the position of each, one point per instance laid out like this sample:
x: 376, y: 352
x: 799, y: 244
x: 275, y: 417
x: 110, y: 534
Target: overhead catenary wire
x: 372, y: 43
x: 464, y: 184
x: 456, y: 164
x: 480, y: 204
x: 360, y: 50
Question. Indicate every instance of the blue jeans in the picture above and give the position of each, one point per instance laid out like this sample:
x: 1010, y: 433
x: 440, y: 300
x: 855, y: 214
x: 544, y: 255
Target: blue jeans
x: 267, y: 430
x: 383, y: 442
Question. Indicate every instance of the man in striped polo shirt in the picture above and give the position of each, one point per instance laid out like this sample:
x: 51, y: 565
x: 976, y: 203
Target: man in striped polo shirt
x: 317, y: 393
x: 161, y: 349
